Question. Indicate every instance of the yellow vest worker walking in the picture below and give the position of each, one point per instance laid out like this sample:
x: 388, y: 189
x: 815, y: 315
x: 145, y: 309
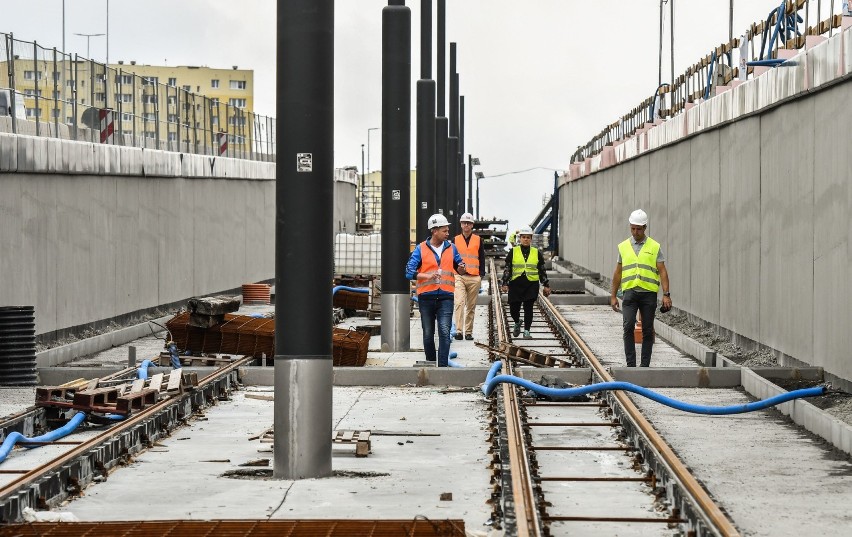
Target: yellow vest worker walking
x: 524, y: 270
x: 472, y: 251
x: 640, y: 272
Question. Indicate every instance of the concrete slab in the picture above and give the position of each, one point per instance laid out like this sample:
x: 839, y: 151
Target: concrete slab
x: 579, y: 300
x: 600, y: 328
x: 402, y: 478
x: 769, y: 476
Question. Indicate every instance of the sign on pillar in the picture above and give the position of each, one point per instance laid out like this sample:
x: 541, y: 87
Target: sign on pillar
x: 222, y: 139
x: 105, y: 121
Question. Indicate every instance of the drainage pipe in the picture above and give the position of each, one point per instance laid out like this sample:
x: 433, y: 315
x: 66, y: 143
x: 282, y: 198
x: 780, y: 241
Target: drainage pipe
x: 56, y: 434
x: 492, y: 381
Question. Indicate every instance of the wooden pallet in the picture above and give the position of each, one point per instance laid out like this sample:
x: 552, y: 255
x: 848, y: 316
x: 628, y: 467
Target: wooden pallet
x: 361, y: 440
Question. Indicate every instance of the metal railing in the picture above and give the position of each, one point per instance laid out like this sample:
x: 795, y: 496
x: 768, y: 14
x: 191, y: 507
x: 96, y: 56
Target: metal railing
x: 64, y: 95
x: 787, y: 26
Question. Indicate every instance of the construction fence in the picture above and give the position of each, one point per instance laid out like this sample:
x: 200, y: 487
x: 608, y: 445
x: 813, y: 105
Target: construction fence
x: 59, y: 95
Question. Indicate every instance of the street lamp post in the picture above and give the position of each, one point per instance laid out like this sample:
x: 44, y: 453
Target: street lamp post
x: 471, y: 162
x: 479, y: 175
x: 363, y: 184
x: 368, y: 146
x: 88, y: 41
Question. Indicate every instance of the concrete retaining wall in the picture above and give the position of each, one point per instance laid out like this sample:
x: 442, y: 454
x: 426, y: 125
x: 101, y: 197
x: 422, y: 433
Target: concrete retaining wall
x: 753, y: 217
x: 90, y: 232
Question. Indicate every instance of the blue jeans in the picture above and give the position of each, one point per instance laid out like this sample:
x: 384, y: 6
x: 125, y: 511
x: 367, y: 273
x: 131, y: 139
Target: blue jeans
x: 436, y: 308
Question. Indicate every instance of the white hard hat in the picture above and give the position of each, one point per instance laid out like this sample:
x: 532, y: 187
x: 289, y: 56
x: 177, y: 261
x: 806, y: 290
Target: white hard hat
x: 638, y: 218
x: 526, y: 230
x: 437, y: 220
x: 467, y: 217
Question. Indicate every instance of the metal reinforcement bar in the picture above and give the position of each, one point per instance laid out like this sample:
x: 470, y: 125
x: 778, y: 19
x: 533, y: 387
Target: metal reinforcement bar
x: 688, y: 498
x: 521, y: 512
x: 68, y: 474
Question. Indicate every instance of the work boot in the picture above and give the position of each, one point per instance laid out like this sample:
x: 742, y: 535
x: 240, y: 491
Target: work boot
x: 527, y: 334
x: 469, y: 337
x: 459, y: 335
x: 516, y: 330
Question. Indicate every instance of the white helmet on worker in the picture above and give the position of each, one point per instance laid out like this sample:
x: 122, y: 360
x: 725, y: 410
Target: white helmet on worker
x: 467, y: 217
x: 526, y: 230
x: 638, y: 218
x: 437, y: 220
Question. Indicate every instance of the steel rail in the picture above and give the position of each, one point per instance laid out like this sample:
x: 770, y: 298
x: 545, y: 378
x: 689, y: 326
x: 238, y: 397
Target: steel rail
x: 526, y: 512
x: 18, y: 485
x: 710, y: 512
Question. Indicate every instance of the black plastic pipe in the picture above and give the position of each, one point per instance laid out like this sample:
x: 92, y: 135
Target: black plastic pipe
x: 442, y: 126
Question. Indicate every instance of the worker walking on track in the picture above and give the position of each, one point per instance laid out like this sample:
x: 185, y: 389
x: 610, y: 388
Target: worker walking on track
x: 639, y: 273
x: 524, y: 270
x: 433, y: 264
x: 472, y: 252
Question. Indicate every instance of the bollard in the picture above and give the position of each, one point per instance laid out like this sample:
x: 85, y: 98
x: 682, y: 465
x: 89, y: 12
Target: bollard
x: 131, y: 356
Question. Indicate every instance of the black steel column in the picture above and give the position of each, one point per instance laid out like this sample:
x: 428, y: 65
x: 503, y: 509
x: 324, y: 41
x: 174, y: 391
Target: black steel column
x: 442, y: 58
x: 441, y: 122
x: 454, y: 194
x: 396, y: 182
x: 465, y: 194
x: 452, y: 166
x: 554, y: 216
x: 442, y: 126
x: 426, y: 197
x: 470, y: 184
x: 303, y: 369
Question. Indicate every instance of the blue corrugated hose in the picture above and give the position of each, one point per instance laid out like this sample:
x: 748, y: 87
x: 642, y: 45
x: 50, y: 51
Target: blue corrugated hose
x: 56, y: 434
x: 352, y: 289
x: 492, y: 380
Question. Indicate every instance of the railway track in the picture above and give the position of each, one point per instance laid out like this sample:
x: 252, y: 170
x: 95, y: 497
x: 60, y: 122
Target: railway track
x: 73, y: 464
x: 582, y: 467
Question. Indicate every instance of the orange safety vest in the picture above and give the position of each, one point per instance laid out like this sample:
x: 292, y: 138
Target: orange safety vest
x: 429, y: 264
x: 469, y: 253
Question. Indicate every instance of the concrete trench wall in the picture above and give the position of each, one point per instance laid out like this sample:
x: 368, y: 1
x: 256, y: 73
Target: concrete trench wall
x: 754, y: 220
x: 90, y: 232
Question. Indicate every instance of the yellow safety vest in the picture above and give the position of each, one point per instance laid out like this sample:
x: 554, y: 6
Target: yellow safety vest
x: 640, y: 270
x: 528, y: 266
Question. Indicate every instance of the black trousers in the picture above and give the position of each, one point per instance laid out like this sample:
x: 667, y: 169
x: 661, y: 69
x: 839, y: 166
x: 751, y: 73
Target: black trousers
x: 646, y: 303
x: 515, y: 312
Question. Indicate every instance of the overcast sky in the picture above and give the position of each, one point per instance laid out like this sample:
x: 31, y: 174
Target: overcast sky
x: 540, y: 77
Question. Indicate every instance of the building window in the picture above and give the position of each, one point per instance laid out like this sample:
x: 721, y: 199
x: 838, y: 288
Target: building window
x: 172, y: 118
x: 172, y: 100
x: 57, y: 75
x: 150, y: 81
x: 32, y: 92
x: 31, y: 75
x: 172, y: 136
x: 100, y: 96
x: 57, y: 95
x: 237, y: 102
x: 214, y: 120
x: 173, y: 82
x: 149, y: 116
x: 126, y: 79
x: 33, y: 112
x: 126, y: 97
x: 238, y: 84
x: 214, y: 83
x: 238, y: 140
x: 214, y: 101
x: 238, y: 121
x: 150, y: 134
x: 187, y: 89
x: 149, y: 99
x: 69, y: 120
x: 55, y: 113
x: 70, y: 83
x: 127, y: 117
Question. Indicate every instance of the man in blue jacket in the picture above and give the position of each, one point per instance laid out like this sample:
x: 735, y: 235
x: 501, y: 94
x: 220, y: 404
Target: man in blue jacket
x: 433, y: 265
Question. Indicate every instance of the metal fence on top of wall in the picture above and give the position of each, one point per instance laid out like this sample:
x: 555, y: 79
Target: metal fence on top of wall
x: 67, y: 96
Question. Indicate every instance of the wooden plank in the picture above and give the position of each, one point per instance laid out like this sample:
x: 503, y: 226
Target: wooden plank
x: 347, y: 436
x: 156, y: 382
x: 137, y: 385
x: 260, y: 397
x: 92, y: 384
x: 175, y: 379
